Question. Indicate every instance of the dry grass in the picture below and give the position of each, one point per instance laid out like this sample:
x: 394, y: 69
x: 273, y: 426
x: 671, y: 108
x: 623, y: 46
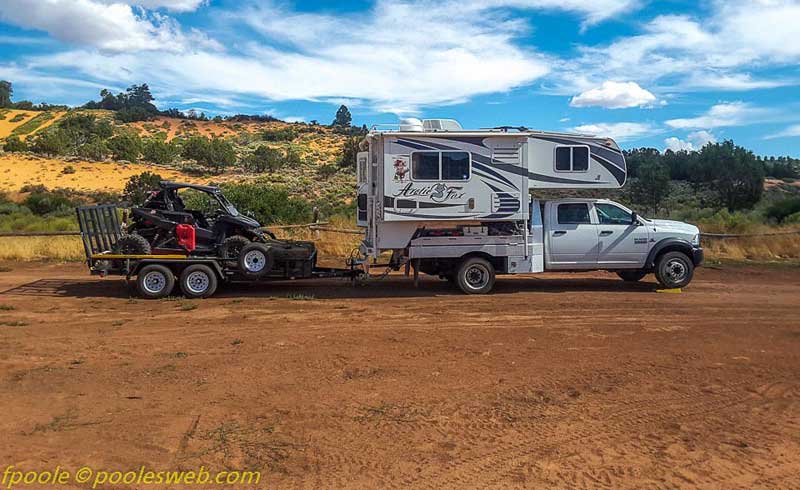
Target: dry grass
x: 330, y: 245
x: 767, y: 248
x: 68, y: 248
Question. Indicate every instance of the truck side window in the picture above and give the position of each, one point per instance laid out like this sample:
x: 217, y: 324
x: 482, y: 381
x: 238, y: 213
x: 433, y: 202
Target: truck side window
x: 425, y: 165
x: 572, y: 159
x: 612, y: 215
x: 574, y: 214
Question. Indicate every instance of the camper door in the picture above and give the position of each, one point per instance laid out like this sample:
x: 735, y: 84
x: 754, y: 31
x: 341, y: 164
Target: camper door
x: 362, y: 169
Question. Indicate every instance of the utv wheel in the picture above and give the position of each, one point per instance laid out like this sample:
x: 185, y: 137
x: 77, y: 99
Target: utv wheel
x: 155, y: 281
x: 255, y: 260
x: 132, y: 244
x: 631, y: 275
x: 232, y: 247
x: 475, y: 276
x: 674, y: 270
x: 198, y: 281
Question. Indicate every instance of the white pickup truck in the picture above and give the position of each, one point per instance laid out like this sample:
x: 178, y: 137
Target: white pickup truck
x: 562, y: 235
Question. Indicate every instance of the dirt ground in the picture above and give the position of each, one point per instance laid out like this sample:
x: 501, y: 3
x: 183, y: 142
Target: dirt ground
x: 554, y: 381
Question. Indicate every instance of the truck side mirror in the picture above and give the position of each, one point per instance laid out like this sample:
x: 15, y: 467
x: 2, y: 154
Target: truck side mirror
x: 634, y: 219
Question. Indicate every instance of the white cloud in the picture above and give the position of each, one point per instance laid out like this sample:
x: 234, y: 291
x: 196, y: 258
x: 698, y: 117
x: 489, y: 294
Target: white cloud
x: 112, y: 27
x: 693, y: 142
x: 614, y: 95
x: 172, y: 5
x: 790, y: 132
x: 620, y: 131
x: 721, y: 115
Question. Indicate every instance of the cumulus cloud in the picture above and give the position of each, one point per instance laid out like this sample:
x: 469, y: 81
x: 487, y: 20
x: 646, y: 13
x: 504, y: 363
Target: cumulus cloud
x: 614, y: 95
x: 693, y: 142
x: 721, y: 115
x: 620, y: 131
x: 111, y: 27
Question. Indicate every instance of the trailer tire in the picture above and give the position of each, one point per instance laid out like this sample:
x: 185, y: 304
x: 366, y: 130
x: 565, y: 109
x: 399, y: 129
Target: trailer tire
x: 132, y: 244
x: 198, y: 281
x: 674, y: 270
x: 632, y: 275
x: 255, y: 260
x: 475, y: 275
x: 155, y: 281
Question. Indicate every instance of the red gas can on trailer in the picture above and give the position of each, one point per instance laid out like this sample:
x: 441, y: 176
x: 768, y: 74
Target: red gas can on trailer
x: 186, y: 237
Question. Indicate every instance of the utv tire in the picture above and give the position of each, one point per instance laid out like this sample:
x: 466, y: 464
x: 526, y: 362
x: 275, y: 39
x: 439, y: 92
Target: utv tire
x: 255, y: 260
x: 198, y: 281
x: 674, y: 270
x: 633, y: 275
x: 132, y: 244
x: 475, y: 276
x: 155, y: 281
x: 232, y: 247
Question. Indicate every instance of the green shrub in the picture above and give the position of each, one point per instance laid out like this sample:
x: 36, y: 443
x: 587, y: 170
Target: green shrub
x: 274, y: 135
x: 215, y: 154
x: 792, y: 219
x: 159, y: 152
x: 51, y: 143
x: 45, y: 203
x: 125, y: 147
x: 269, y: 204
x: 33, y: 124
x: 13, y: 143
x: 138, y: 187
x: 69, y: 169
x: 264, y: 159
x: 96, y: 150
x: 781, y: 210
x: 17, y: 118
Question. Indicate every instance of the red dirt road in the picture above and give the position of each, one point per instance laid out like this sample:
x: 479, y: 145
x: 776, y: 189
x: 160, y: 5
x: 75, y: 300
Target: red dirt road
x: 554, y: 381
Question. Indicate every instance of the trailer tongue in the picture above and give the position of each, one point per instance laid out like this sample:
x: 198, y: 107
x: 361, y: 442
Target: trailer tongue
x: 197, y: 275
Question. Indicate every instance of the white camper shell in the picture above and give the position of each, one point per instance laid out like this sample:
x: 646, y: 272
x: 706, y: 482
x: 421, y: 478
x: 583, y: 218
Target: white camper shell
x: 431, y: 190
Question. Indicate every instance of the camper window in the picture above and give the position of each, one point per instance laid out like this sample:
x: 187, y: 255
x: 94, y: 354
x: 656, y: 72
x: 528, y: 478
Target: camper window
x: 572, y: 159
x: 440, y: 165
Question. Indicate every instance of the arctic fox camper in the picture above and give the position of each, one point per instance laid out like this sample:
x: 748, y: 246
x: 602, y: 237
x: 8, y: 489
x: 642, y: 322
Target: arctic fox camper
x: 458, y: 204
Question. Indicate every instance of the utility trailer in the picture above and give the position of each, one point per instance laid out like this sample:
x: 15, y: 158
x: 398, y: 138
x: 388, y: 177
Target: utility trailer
x: 157, y: 274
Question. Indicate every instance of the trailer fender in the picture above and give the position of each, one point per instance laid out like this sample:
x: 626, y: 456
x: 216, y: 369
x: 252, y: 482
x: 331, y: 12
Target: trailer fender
x: 667, y: 245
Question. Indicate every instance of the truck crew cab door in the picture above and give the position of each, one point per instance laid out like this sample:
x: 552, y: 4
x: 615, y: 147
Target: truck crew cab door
x: 572, y: 239
x: 622, y: 243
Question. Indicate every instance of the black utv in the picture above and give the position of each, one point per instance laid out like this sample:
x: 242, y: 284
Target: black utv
x: 164, y: 225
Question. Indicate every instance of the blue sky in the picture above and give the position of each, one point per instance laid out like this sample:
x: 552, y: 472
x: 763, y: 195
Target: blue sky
x: 664, y: 74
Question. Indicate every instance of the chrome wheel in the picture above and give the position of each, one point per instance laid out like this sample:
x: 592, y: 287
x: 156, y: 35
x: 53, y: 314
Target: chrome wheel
x: 675, y: 270
x: 154, y: 282
x: 197, y: 282
x: 255, y: 260
x: 476, y: 276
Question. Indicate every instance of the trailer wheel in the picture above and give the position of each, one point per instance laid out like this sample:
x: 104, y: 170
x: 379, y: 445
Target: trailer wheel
x: 132, y: 244
x: 198, y: 281
x: 255, y: 260
x: 632, y: 275
x: 674, y: 270
x: 155, y: 281
x: 475, y: 276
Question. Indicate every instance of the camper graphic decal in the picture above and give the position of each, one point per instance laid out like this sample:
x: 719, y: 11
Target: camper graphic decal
x: 400, y: 169
x: 438, y: 192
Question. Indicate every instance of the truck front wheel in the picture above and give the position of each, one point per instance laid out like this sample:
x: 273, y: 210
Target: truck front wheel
x: 674, y: 270
x: 475, y: 276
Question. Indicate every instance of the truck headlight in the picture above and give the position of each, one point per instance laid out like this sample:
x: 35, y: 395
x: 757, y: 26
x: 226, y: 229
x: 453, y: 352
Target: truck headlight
x: 696, y: 240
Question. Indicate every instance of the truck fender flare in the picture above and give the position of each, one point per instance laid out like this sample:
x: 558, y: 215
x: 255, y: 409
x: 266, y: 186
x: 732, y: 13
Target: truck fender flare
x: 667, y: 243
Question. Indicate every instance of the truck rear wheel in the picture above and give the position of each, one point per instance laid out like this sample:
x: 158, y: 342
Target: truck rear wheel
x: 475, y: 276
x: 155, y: 281
x: 674, y: 270
x: 632, y: 275
x: 198, y: 281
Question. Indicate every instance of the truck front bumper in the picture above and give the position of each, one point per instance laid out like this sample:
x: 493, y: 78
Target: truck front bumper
x: 697, y: 256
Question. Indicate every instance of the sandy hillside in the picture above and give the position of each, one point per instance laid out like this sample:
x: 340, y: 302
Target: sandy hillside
x: 47, y: 119
x: 17, y: 170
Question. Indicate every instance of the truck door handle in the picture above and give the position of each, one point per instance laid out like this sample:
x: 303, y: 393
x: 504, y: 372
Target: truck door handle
x: 559, y: 233
x: 606, y: 232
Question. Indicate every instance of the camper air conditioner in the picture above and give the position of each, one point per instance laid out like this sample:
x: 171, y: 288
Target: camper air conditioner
x: 441, y: 125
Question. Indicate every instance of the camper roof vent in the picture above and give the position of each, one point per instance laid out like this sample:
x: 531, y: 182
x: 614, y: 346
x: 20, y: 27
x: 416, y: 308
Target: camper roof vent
x: 441, y: 125
x: 411, y: 124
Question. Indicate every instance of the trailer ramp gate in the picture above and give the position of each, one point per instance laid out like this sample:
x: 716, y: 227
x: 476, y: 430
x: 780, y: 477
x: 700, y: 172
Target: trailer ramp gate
x: 100, y: 228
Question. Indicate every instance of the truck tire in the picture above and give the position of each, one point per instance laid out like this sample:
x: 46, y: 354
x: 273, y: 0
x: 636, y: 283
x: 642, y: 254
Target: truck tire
x: 132, y: 244
x: 674, y: 270
x: 632, y: 275
x: 155, y: 281
x: 198, y: 281
x: 475, y: 276
x: 255, y: 260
